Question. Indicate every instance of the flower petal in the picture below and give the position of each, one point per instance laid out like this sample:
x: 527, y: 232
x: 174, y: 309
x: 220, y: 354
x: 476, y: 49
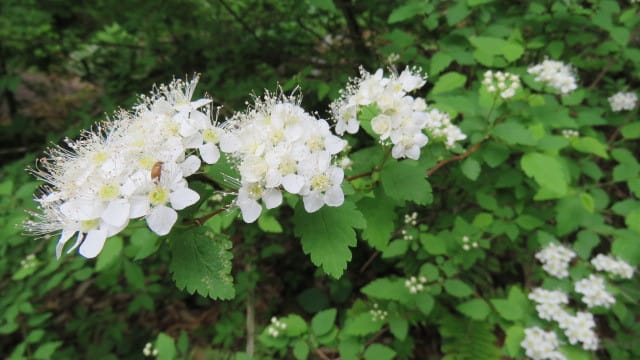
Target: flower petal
x: 81, y: 209
x: 64, y: 237
x: 293, y: 183
x: 313, y: 201
x: 117, y: 212
x: 183, y: 197
x: 334, y: 196
x: 93, y: 243
x: 250, y: 209
x: 272, y: 198
x: 161, y: 219
x: 190, y: 165
x: 209, y: 153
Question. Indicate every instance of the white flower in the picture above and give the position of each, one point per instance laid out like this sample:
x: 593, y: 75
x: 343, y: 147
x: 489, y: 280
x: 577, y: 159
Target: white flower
x: 579, y: 329
x: 506, y: 83
x: 594, y: 292
x: 555, y: 74
x: 612, y: 266
x: 623, y: 101
x: 438, y: 125
x: 549, y: 303
x: 541, y: 345
x: 556, y: 259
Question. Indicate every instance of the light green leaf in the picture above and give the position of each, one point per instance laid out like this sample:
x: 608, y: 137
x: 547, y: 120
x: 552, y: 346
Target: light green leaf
x: 457, y: 288
x: 327, y: 234
x: 439, y: 62
x: 433, y: 244
x: 323, y: 321
x: 46, y: 350
x: 425, y: 302
x: 514, y: 133
x: 301, y: 350
x: 407, y: 11
x: 201, y: 262
x: 631, y: 131
x: 588, y: 202
x: 404, y: 181
x: 448, y: 82
x: 514, y: 336
x: 380, y: 215
x: 399, y: 326
x: 496, y: 46
x: 476, y: 309
x: 323, y: 4
x: 296, y: 325
x: 507, y: 309
x: 379, y: 352
x: 166, y: 347
x: 268, y: 223
x: 361, y: 324
x: 471, y: 169
x: 110, y: 253
x: 591, y: 146
x: 547, y: 171
x: 387, y: 289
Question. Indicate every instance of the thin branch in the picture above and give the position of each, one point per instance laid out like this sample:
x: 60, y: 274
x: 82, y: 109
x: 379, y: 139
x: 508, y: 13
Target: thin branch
x: 201, y: 220
x: 369, y: 261
x: 321, y: 354
x: 239, y: 19
x: 601, y: 74
x: 462, y: 156
x: 251, y: 320
x: 358, y: 176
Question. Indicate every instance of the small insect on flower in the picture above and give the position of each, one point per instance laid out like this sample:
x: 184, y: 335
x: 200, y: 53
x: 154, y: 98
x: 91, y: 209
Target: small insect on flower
x: 156, y: 171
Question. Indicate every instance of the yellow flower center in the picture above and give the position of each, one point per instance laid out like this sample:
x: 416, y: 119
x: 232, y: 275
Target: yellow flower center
x: 88, y: 225
x: 109, y: 192
x: 211, y: 135
x: 159, y: 196
x: 320, y: 182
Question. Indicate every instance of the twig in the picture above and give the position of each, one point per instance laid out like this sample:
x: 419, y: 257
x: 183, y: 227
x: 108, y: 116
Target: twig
x: 358, y: 176
x: 239, y: 19
x: 601, y: 74
x: 201, y: 220
x: 321, y: 354
x: 462, y: 156
x: 369, y: 261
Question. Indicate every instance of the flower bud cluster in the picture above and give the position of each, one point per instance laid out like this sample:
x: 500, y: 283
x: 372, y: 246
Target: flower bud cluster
x: 29, y: 261
x: 569, y: 133
x: 415, y: 284
x: 134, y: 166
x: 378, y: 314
x: 439, y: 127
x: 505, y: 83
x: 401, y: 119
x: 411, y: 219
x: 555, y: 259
x: 276, y: 327
x: 149, y: 350
x: 613, y: 266
x: 594, y: 292
x: 541, y: 345
x: 623, y: 101
x: 466, y: 245
x: 555, y: 74
x: 280, y: 147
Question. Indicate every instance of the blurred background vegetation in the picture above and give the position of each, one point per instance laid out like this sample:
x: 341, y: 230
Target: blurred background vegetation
x: 65, y: 64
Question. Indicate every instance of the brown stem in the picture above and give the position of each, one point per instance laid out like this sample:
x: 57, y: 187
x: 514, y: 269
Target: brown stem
x: 601, y: 74
x: 201, y: 220
x: 321, y: 354
x: 358, y: 176
x: 369, y: 261
x: 462, y: 156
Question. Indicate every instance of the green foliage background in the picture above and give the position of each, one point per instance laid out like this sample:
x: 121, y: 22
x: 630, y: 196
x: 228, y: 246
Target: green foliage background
x: 64, y: 64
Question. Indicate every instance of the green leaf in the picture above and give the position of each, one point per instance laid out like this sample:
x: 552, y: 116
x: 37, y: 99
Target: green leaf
x: 631, y: 131
x: 439, y: 62
x: 448, y: 82
x: 586, y: 241
x: 110, y: 253
x: 457, y: 288
x: 327, y: 234
x: 514, y: 133
x: 296, y: 325
x: 514, y: 336
x: 46, y: 350
x: 407, y: 11
x: 361, y: 324
x: 323, y: 321
x: 471, y: 169
x: 379, y: 352
x: 476, y: 309
x: 145, y: 241
x: 386, y: 289
x: 496, y: 46
x: 323, y: 4
x: 591, y: 146
x: 404, y: 181
x: 432, y: 244
x: 425, y: 302
x: 507, y: 309
x: 166, y: 347
x: 547, y: 171
x: 588, y: 202
x: 301, y: 350
x: 350, y: 348
x: 268, y: 223
x: 380, y: 215
x: 456, y: 13
x: 399, y: 326
x: 633, y: 220
x: 201, y: 262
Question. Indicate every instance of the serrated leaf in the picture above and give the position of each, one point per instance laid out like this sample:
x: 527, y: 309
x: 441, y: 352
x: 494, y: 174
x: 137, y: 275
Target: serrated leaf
x: 361, y: 324
x: 386, y: 289
x: 476, y: 309
x: 323, y: 321
x: 425, y: 302
x: 201, y: 262
x: 379, y: 352
x: 439, y: 62
x: 591, y: 146
x: 448, y: 82
x: 399, y: 326
x: 432, y: 244
x: 507, y: 309
x: 404, y: 181
x: 514, y: 133
x: 296, y: 325
x: 327, y: 234
x: 514, y: 336
x: 547, y: 171
x: 380, y: 215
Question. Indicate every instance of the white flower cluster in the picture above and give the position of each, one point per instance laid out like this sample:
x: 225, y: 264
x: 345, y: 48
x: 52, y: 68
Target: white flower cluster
x: 401, y: 119
x: 378, y: 314
x: 555, y: 259
x: 29, y: 261
x: 549, y: 303
x: 555, y: 74
x: 276, y: 327
x: 411, y: 219
x: 132, y: 167
x: 149, y: 350
x: 578, y: 328
x: 623, y: 101
x: 415, y: 284
x: 278, y: 146
x: 541, y: 345
x: 465, y: 243
x: 439, y: 126
x: 570, y: 133
x: 613, y: 266
x: 505, y: 83
x: 594, y: 292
